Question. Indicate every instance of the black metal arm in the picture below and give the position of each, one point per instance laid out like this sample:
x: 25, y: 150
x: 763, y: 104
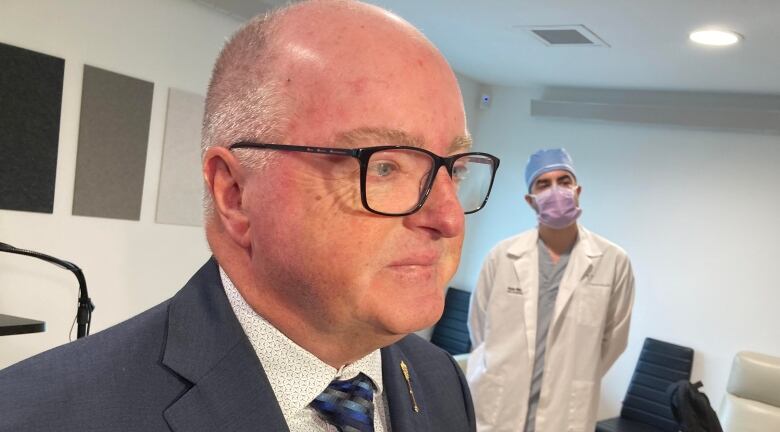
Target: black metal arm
x: 85, y: 308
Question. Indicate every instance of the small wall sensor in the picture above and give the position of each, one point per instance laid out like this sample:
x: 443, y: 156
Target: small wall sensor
x: 484, y: 101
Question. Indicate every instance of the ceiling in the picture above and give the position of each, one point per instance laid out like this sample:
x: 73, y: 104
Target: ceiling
x: 648, y: 41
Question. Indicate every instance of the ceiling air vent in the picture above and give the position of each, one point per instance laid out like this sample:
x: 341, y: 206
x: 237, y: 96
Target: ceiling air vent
x: 569, y: 35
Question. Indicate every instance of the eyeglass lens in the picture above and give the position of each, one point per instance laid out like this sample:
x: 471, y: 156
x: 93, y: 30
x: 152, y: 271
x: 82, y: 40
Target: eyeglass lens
x: 397, y: 180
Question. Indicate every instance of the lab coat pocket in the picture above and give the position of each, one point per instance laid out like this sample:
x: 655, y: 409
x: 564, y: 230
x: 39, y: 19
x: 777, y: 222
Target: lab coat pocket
x: 579, y: 404
x: 591, y: 302
x: 487, y: 393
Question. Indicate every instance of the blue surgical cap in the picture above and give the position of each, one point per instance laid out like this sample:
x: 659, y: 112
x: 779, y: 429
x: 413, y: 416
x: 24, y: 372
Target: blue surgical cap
x: 546, y: 160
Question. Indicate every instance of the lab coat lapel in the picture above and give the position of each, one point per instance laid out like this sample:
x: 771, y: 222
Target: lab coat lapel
x: 579, y: 268
x: 526, y: 265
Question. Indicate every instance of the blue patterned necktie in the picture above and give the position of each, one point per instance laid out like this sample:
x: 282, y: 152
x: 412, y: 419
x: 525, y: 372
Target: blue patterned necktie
x: 348, y: 404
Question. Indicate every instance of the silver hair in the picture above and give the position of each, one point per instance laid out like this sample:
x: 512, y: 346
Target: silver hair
x: 244, y: 101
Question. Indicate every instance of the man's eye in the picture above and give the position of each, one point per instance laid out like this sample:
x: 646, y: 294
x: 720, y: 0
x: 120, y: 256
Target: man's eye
x: 460, y: 173
x: 382, y: 168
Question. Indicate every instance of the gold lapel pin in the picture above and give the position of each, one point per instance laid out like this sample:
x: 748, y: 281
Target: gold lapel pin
x: 405, y: 371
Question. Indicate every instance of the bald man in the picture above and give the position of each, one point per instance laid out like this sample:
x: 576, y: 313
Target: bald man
x: 337, y: 168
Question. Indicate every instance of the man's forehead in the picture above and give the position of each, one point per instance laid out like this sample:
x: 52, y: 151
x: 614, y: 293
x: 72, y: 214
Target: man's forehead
x: 387, y: 136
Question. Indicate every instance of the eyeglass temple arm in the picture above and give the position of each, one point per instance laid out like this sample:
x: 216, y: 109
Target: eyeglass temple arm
x: 304, y: 149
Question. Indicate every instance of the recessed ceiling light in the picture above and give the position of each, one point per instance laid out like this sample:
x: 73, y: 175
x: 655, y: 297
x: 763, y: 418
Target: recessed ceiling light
x: 715, y: 37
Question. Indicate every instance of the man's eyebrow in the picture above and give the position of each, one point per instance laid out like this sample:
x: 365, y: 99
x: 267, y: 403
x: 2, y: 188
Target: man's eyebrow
x: 461, y: 144
x: 359, y: 137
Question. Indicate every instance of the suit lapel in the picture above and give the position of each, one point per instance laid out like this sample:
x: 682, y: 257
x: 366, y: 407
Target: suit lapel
x: 234, y: 396
x: 403, y: 416
x: 207, y: 347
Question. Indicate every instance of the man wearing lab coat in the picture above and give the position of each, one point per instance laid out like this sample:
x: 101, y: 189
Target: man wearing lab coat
x: 550, y: 313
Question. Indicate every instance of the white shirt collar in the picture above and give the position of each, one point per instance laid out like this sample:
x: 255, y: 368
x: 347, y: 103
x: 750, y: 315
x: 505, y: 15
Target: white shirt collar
x: 296, y: 375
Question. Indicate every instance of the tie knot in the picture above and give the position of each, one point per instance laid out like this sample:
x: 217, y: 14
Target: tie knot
x: 348, y: 404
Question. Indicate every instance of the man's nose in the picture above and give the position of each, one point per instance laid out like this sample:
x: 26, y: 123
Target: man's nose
x: 442, y: 211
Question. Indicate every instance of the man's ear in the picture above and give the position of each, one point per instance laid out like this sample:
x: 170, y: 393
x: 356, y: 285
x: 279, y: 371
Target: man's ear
x: 530, y: 200
x: 225, y: 179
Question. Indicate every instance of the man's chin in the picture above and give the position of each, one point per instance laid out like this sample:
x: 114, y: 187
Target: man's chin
x: 420, y: 316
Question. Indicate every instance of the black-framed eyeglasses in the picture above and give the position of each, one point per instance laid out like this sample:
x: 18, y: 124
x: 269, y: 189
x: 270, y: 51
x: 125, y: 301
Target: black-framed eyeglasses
x: 396, y: 180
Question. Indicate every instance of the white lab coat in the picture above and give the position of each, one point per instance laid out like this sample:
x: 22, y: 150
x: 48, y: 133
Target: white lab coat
x: 588, y: 333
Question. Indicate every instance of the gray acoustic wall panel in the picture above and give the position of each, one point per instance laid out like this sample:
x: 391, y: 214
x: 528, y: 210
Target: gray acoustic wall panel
x: 181, y: 182
x: 30, y: 104
x: 113, y: 137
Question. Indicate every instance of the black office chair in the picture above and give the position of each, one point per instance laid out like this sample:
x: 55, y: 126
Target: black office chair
x: 646, y: 406
x: 451, y: 332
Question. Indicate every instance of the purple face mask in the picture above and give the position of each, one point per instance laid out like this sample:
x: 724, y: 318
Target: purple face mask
x: 557, y: 207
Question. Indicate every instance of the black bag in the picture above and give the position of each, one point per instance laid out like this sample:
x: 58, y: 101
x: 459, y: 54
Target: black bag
x: 692, y: 408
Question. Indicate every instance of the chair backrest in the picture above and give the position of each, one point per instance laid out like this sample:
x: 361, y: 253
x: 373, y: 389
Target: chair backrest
x: 660, y: 364
x: 451, y: 333
x: 752, y: 401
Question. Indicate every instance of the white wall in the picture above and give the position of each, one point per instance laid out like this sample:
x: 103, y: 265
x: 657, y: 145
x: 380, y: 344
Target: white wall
x: 129, y: 265
x: 697, y: 212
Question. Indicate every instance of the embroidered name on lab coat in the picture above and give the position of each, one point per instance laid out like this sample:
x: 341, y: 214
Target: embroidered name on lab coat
x: 514, y: 290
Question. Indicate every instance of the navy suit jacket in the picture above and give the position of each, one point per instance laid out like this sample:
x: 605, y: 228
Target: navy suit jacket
x: 187, y: 365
